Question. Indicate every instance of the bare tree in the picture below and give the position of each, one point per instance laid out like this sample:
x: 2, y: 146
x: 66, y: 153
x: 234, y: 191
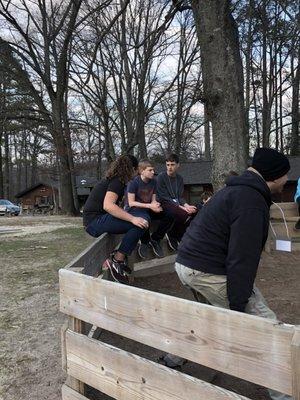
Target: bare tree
x: 39, y: 43
x: 223, y: 84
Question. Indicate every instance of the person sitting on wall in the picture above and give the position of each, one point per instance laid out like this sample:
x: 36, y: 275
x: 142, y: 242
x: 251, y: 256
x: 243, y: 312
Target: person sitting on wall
x: 102, y: 213
x: 141, y: 200
x: 170, y: 195
x: 297, y: 200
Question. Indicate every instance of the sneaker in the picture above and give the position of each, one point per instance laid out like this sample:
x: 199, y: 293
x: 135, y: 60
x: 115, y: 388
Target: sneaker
x: 124, y: 263
x: 297, y: 226
x: 172, y: 242
x: 143, y: 250
x: 156, y: 247
x: 116, y: 270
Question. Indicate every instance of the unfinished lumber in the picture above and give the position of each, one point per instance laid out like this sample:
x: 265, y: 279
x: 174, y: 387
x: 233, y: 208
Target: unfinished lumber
x: 63, y: 330
x: 290, y: 210
x: 70, y: 394
x: 154, y: 267
x: 90, y: 260
x: 126, y: 376
x: 76, y: 325
x: 296, y: 363
x: 245, y: 346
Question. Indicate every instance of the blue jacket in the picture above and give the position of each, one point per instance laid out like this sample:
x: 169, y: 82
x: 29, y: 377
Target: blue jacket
x: 297, y: 194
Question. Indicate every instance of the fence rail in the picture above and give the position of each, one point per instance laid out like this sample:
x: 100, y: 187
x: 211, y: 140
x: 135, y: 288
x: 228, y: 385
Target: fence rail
x: 248, y: 347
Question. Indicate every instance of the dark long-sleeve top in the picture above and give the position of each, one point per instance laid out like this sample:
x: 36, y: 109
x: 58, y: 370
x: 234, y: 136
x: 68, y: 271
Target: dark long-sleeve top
x: 228, y: 235
x: 170, y: 188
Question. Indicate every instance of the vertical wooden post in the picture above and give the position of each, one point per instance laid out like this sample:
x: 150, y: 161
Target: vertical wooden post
x: 77, y: 326
x: 296, y: 363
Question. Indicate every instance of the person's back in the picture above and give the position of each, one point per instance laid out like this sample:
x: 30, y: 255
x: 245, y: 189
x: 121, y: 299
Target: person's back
x: 205, y: 243
x: 94, y: 204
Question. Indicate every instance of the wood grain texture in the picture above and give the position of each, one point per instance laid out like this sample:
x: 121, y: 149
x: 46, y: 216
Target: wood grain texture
x: 63, y: 330
x: 125, y: 376
x: 90, y: 260
x: 290, y: 210
x: 296, y: 364
x: 76, y: 325
x: 69, y: 394
x: 246, y: 346
x: 154, y: 267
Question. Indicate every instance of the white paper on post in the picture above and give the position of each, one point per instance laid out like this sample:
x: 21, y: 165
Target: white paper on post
x: 283, y: 245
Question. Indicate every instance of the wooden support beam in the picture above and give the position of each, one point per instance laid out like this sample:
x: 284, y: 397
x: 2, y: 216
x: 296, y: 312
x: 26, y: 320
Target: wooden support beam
x: 126, y: 376
x: 70, y: 394
x: 63, y: 330
x: 245, y: 346
x: 154, y: 267
x: 75, y: 325
x: 296, y: 363
x: 90, y: 260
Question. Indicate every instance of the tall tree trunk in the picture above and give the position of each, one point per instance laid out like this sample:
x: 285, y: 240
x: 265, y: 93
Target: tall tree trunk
x: 1, y: 163
x: 295, y: 141
x: 66, y: 180
x: 34, y: 155
x: 207, y: 150
x: 223, y: 85
x: 6, y: 185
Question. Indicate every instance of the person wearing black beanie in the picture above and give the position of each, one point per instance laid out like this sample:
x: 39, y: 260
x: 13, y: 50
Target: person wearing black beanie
x: 270, y: 163
x: 219, y: 254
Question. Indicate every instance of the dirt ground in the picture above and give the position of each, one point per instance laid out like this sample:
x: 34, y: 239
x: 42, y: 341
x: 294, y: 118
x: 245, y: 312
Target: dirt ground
x: 30, y: 360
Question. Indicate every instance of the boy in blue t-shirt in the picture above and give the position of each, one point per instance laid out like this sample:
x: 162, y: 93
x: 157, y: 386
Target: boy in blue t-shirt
x: 141, y: 201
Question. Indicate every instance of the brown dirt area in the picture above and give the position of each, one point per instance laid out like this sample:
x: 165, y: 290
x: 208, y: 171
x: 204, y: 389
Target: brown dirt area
x: 30, y: 322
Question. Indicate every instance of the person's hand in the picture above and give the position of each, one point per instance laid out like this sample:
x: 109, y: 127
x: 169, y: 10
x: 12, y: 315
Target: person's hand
x: 140, y: 222
x: 190, y: 209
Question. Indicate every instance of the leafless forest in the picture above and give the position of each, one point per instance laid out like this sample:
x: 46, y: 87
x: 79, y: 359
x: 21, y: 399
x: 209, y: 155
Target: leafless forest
x: 83, y: 81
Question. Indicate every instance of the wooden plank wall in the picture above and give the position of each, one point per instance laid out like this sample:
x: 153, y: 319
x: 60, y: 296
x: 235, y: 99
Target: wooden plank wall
x: 126, y: 376
x: 245, y: 346
x: 89, y: 261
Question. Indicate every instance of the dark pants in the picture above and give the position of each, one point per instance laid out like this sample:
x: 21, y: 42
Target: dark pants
x: 165, y: 223
x: 181, y: 218
x: 106, y: 223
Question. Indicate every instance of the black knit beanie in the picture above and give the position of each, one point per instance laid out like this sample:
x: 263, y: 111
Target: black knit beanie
x: 270, y: 163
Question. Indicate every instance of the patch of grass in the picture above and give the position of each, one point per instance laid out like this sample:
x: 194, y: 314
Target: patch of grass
x: 28, y: 263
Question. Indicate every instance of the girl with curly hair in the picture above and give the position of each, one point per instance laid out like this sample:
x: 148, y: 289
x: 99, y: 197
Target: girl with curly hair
x: 102, y: 213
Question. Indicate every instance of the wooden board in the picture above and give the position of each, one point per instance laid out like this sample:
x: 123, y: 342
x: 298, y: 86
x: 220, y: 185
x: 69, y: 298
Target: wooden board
x: 242, y: 345
x: 289, y: 209
x: 90, y: 260
x: 280, y: 230
x: 154, y: 267
x: 126, y: 376
x: 69, y: 394
x: 296, y: 364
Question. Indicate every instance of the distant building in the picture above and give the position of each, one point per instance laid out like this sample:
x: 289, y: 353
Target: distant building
x: 197, y: 176
x: 39, y: 195
x: 84, y: 185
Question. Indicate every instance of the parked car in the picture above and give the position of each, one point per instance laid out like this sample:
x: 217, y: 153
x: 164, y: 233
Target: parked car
x: 8, y: 208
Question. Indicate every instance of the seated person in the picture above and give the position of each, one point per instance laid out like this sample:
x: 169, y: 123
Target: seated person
x: 141, y: 201
x: 297, y: 200
x: 169, y: 191
x: 102, y: 214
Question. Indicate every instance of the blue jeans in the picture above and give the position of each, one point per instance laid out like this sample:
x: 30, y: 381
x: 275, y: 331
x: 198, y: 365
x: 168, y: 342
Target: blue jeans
x: 165, y: 223
x: 106, y: 223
